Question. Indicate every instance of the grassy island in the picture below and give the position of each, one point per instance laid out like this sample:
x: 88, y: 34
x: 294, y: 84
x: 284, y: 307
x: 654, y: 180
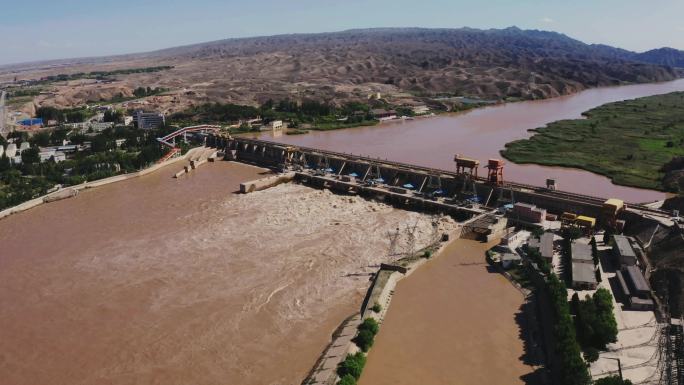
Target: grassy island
x: 636, y: 142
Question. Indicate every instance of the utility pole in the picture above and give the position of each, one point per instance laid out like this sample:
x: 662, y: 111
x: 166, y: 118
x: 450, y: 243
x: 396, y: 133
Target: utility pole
x: 619, y: 365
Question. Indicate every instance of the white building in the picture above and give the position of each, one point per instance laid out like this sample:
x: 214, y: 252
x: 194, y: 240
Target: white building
x: 96, y: 126
x: 99, y: 127
x: 276, y: 125
x: 420, y: 110
x: 46, y: 155
x: 127, y: 120
x: 11, y: 150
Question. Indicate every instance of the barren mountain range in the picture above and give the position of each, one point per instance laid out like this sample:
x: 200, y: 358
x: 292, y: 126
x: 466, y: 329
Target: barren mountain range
x: 400, y: 63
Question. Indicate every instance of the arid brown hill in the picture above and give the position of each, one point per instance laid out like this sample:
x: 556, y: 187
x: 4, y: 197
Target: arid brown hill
x: 490, y: 64
x: 484, y: 63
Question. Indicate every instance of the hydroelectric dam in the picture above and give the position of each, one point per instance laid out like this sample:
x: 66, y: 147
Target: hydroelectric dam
x: 462, y: 193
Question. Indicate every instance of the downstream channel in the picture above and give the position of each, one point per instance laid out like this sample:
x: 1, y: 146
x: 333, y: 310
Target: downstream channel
x: 482, y: 133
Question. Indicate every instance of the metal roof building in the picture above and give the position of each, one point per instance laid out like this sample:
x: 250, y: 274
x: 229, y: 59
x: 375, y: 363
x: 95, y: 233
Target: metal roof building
x: 544, y: 245
x: 636, y: 281
x: 581, y: 253
x: 583, y: 276
x: 623, y: 251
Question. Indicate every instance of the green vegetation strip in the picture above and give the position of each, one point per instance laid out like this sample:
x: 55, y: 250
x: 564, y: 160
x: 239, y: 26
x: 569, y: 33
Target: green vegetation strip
x: 573, y: 369
x: 351, y: 368
x: 302, y: 116
x: 101, y: 75
x: 630, y: 142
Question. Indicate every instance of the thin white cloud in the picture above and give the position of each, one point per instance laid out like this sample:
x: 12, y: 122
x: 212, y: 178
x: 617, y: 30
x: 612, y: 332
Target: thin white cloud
x: 547, y: 20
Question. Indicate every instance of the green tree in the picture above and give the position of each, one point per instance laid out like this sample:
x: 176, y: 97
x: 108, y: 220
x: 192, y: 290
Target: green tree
x: 101, y: 143
x: 58, y: 135
x: 573, y: 369
x: 30, y: 156
x: 595, y: 322
x: 594, y: 251
x: 78, y: 138
x: 352, y: 365
x: 348, y: 379
x: 115, y: 116
x: 40, y: 139
x: 364, y: 340
x: 591, y: 354
x: 612, y: 380
x: 4, y: 163
x: 572, y: 233
x: 370, y: 324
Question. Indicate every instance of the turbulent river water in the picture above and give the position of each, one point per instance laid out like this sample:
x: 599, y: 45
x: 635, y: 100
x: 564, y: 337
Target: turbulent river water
x: 157, y: 280
x: 482, y: 133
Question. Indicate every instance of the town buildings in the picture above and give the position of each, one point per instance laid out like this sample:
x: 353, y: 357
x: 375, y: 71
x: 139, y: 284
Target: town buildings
x: 623, y: 252
x: 148, y: 120
x: 276, y: 125
x: 583, y: 269
x: 544, y: 245
x: 382, y: 114
x: 529, y: 213
x: 634, y: 287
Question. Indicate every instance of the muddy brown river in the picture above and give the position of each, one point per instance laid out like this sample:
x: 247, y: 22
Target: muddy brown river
x: 173, y: 282
x: 482, y: 133
x: 163, y: 281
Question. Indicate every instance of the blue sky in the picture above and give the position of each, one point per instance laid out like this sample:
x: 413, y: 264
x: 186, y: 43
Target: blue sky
x: 51, y: 29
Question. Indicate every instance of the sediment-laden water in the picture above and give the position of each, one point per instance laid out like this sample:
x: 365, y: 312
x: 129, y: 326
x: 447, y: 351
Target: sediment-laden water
x: 482, y: 133
x: 168, y: 281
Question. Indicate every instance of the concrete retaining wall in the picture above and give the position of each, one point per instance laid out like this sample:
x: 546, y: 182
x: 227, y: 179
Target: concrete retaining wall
x: 264, y: 183
x: 381, y: 292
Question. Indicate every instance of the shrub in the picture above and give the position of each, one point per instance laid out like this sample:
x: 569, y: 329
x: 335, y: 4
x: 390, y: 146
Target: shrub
x: 612, y: 380
x: 352, y: 366
x: 364, y: 340
x: 371, y: 325
x: 591, y: 354
x: 427, y: 254
x: 377, y: 308
x: 347, y: 380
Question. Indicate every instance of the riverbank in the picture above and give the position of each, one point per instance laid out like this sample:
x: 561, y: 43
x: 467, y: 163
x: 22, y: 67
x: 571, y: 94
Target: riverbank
x: 452, y: 319
x: 72, y: 191
x: 630, y: 141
